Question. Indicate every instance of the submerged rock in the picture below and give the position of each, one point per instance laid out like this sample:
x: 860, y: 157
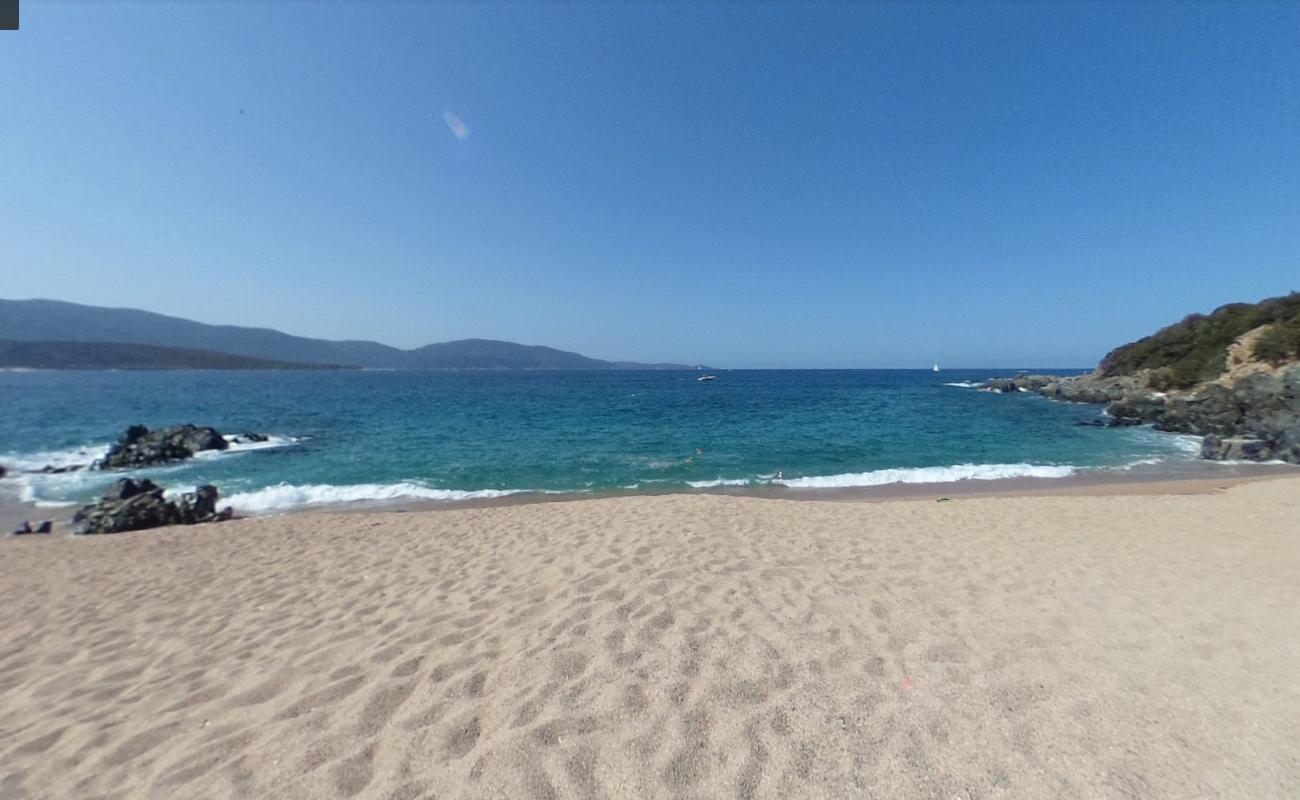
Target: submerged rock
x: 140, y: 446
x: 49, y: 469
x: 133, y: 505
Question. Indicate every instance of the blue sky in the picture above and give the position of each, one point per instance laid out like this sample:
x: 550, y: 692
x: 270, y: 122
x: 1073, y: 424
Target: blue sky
x: 866, y: 185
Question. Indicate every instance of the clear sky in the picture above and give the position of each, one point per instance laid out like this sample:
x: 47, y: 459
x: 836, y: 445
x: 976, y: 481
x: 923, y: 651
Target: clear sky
x: 866, y: 185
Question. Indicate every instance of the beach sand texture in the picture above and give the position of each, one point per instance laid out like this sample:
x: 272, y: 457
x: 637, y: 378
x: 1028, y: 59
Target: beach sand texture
x: 691, y: 646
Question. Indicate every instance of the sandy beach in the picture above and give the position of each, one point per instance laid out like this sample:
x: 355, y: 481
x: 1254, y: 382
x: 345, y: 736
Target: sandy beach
x: 1087, y: 645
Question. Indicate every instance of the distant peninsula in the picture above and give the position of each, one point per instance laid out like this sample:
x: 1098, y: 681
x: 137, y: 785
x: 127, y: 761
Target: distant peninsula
x: 52, y: 334
x: 115, y: 355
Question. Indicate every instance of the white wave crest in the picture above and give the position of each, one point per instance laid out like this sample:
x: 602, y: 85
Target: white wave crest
x: 957, y: 472
x: 69, y: 458
x: 963, y: 385
x: 719, y: 482
x: 1186, y: 442
x: 71, y: 474
x: 287, y: 496
x: 236, y: 446
x: 1141, y: 462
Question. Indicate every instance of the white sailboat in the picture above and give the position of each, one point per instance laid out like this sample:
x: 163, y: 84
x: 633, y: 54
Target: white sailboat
x: 936, y: 367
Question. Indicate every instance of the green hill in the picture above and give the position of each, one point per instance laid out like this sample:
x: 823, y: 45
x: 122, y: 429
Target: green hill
x: 1195, y: 349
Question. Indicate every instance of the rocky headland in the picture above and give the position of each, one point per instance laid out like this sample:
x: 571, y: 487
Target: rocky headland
x: 1232, y: 376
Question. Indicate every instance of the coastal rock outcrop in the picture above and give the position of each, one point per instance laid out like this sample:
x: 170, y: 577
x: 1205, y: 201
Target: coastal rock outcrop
x: 1236, y: 448
x: 1251, y: 417
x: 1091, y: 388
x: 133, y: 505
x: 140, y: 446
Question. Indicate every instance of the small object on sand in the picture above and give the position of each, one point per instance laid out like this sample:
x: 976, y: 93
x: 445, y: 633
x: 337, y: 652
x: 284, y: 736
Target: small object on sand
x: 944, y: 500
x: 46, y: 526
x: 22, y: 529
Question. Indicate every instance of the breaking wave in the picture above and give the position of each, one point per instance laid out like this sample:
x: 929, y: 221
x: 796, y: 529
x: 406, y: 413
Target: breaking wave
x: 285, y: 496
x: 957, y: 472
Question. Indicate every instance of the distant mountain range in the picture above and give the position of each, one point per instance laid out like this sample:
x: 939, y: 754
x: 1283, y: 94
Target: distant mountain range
x: 59, y: 324
x: 115, y: 355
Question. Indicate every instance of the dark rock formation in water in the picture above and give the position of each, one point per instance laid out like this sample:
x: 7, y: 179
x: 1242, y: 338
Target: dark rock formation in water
x: 1251, y: 417
x: 133, y: 505
x: 140, y: 446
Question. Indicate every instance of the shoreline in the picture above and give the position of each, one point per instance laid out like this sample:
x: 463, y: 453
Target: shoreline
x: 1161, y: 479
x: 1099, y: 483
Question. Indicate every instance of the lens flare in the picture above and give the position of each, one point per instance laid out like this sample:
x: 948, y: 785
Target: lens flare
x: 457, y: 125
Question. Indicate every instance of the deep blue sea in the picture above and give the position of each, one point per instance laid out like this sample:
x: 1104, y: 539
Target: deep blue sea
x: 372, y: 436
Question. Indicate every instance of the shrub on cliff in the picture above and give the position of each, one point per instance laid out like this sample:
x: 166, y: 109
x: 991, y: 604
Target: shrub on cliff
x: 1195, y: 349
x: 1279, y: 343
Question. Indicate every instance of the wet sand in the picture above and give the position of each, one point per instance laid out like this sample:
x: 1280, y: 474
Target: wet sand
x: 1103, y: 644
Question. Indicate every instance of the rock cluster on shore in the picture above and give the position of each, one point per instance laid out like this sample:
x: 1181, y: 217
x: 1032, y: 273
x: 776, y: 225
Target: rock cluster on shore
x: 25, y: 528
x: 133, y: 505
x: 1255, y: 417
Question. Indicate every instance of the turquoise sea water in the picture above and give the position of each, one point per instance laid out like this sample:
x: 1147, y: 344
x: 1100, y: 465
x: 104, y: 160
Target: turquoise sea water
x: 367, y: 436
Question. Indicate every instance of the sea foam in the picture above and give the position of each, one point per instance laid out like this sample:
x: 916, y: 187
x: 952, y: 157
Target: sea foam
x: 721, y: 482
x: 957, y: 472
x: 30, y: 484
x: 233, y: 446
x: 80, y: 456
x: 284, y: 497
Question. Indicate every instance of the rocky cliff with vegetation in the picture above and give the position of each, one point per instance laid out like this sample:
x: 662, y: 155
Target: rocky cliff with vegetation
x: 1231, y: 376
